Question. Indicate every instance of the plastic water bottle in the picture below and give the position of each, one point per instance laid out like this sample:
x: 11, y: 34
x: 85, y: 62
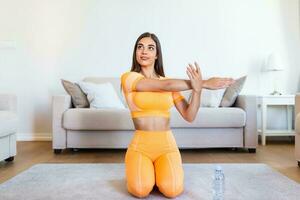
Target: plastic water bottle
x: 218, y: 183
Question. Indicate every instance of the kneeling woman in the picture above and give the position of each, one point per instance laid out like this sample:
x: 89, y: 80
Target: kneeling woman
x: 152, y: 156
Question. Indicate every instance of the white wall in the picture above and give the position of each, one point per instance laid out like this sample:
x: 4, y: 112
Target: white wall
x: 43, y: 41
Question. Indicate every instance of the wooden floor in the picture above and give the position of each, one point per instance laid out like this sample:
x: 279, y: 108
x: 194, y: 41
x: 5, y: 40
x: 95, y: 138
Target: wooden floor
x: 276, y: 154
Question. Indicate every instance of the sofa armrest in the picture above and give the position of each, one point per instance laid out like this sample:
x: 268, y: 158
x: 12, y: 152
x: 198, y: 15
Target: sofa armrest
x: 8, y: 102
x: 60, y: 103
x: 297, y: 127
x: 297, y: 104
x: 249, y: 104
x: 297, y: 118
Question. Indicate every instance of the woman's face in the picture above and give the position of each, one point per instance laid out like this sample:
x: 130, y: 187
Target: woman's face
x: 146, y: 52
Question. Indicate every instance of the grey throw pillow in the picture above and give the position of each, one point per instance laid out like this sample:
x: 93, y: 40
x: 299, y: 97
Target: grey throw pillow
x: 78, y: 97
x: 232, y: 92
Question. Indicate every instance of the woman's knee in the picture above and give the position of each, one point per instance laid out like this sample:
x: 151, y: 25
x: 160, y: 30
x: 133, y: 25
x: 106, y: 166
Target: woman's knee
x: 169, y: 189
x: 170, y: 174
x: 140, y: 190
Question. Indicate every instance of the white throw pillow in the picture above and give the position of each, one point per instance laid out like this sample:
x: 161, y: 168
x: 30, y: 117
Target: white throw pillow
x: 101, y: 95
x: 211, y: 98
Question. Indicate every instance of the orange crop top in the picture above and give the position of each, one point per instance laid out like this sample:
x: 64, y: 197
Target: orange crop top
x: 143, y: 104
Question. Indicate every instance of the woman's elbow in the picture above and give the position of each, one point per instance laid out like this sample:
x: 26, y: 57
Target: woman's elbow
x: 191, y: 116
x: 190, y: 119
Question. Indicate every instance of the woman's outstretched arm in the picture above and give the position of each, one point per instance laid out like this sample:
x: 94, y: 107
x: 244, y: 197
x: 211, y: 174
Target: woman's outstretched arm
x: 164, y: 85
x: 173, y: 85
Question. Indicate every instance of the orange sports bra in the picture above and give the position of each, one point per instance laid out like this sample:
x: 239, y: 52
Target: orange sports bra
x: 143, y: 104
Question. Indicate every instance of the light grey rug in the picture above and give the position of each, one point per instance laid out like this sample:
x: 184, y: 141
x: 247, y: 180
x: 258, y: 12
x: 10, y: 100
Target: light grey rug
x: 106, y: 181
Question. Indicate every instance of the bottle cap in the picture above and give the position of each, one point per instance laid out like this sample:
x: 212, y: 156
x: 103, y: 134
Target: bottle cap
x: 218, y: 168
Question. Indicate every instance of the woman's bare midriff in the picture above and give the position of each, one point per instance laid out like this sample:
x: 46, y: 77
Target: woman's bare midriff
x: 152, y: 123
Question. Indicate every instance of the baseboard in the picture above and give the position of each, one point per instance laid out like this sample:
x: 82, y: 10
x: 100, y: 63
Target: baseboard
x: 34, y: 136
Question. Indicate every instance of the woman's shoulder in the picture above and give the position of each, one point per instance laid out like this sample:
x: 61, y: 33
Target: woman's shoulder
x: 130, y: 74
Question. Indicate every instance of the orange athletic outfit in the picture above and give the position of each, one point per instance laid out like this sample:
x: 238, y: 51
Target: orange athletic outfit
x: 152, y: 157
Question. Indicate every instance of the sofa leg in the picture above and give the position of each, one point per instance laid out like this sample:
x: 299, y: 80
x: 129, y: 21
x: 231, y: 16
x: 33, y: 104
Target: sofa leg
x: 252, y: 150
x: 57, y: 151
x: 75, y: 149
x: 298, y: 163
x: 9, y: 159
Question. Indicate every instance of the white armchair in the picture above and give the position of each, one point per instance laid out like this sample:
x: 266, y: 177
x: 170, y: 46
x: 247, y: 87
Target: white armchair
x: 8, y: 126
x: 297, y: 127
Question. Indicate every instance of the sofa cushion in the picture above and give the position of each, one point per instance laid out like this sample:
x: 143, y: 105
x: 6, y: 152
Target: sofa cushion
x: 97, y: 119
x: 101, y: 95
x: 211, y: 118
x: 79, y: 98
x: 8, y: 123
x: 211, y: 98
x: 232, y: 92
x: 115, y: 81
x: 120, y: 119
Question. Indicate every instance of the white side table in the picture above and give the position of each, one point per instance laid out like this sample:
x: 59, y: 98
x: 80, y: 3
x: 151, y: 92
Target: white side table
x: 270, y: 100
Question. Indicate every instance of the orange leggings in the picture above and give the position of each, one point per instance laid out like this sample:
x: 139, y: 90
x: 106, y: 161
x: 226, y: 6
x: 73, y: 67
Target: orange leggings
x: 153, y: 158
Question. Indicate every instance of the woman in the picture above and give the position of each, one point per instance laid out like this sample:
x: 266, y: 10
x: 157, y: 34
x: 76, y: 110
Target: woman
x: 152, y: 156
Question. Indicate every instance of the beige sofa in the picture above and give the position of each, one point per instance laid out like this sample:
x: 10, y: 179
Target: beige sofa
x: 297, y: 127
x: 8, y: 127
x: 234, y: 127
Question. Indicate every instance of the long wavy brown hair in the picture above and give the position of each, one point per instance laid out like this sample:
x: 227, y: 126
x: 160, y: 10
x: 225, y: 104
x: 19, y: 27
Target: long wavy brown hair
x: 158, y: 66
